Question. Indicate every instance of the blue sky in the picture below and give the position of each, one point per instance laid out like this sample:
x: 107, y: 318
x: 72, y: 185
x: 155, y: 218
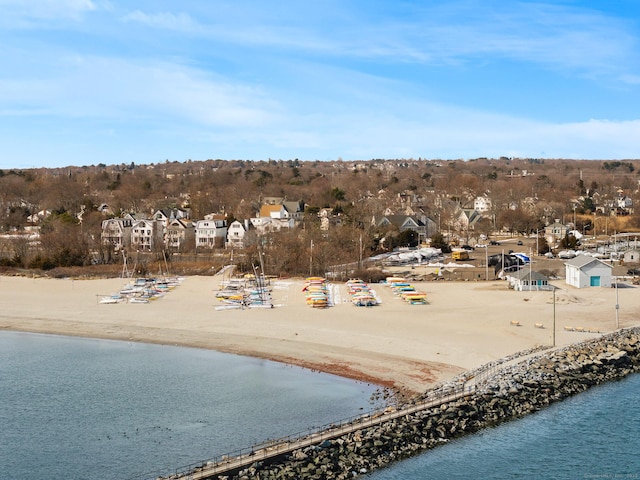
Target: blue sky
x: 84, y: 82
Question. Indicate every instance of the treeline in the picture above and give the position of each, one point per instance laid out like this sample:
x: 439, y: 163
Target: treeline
x: 525, y: 195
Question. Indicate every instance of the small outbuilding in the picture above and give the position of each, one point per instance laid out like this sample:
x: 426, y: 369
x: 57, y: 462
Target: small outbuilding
x: 526, y: 280
x: 631, y: 256
x: 585, y: 271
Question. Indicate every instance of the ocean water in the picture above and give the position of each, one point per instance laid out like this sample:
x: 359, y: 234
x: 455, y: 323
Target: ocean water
x: 93, y: 409
x: 77, y: 408
x: 594, y: 435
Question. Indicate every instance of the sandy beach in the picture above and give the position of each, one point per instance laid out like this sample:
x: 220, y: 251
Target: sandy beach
x: 405, y: 347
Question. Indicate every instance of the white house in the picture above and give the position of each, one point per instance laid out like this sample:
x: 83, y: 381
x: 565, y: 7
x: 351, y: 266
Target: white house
x: 271, y: 224
x: 273, y: 211
x: 272, y: 218
x: 527, y: 280
x: 294, y: 210
x: 631, y: 256
x: 482, y: 204
x: 211, y: 233
x: 38, y: 217
x: 146, y: 234
x: 236, y: 234
x: 116, y: 232
x: 586, y: 271
x: 624, y: 203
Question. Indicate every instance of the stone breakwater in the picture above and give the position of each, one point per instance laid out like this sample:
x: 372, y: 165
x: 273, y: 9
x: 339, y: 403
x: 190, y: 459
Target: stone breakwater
x: 511, y: 392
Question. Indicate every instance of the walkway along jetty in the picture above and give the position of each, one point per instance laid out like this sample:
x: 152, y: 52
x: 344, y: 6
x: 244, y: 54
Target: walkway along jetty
x: 489, y: 396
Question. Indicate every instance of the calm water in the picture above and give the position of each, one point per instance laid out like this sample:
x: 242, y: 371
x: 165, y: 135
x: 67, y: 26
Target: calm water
x: 595, y: 435
x: 80, y: 408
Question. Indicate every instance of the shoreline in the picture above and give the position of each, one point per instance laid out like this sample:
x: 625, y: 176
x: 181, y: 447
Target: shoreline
x: 406, y: 348
x: 511, y: 393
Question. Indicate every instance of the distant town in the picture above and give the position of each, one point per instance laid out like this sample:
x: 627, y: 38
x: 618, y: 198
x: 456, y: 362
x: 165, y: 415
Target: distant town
x: 306, y: 217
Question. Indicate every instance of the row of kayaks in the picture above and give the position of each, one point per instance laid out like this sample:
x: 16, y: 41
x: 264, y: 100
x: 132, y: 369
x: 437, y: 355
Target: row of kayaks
x: 316, y: 292
x: 362, y: 295
x: 405, y: 290
x: 239, y: 294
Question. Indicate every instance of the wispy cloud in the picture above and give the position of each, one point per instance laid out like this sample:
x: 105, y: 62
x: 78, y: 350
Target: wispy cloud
x: 117, y: 88
x: 18, y: 13
x: 354, y: 79
x: 560, y: 37
x: 164, y: 20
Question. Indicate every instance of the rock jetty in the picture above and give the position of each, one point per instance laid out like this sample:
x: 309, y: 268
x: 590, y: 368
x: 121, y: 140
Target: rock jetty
x: 508, y: 393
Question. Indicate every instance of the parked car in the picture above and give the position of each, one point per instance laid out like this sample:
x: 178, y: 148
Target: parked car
x: 493, y: 242
x: 480, y: 245
x: 519, y: 242
x: 633, y: 271
x: 469, y: 248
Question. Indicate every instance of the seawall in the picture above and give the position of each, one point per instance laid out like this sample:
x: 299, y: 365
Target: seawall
x: 511, y: 392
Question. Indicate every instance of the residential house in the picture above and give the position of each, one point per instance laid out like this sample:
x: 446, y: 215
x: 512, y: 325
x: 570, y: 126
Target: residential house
x: 211, y: 233
x: 273, y: 211
x: 404, y: 223
x: 623, y: 205
x: 272, y: 217
x: 38, y: 217
x: 270, y: 224
x: 167, y: 215
x: 116, y: 232
x: 272, y: 200
x: 527, y: 280
x: 328, y: 219
x: 105, y: 209
x: 294, y: 210
x: 482, y: 204
x: 631, y: 256
x: 465, y: 219
x: 237, y: 234
x: 180, y: 235
x: 555, y: 232
x: 586, y: 271
x: 146, y: 234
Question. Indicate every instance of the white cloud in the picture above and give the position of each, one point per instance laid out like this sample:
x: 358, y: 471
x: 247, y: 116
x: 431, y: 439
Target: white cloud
x: 115, y: 88
x: 20, y: 11
x: 172, y: 21
x: 423, y: 130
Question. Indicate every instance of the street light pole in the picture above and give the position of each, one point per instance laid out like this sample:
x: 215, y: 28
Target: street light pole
x: 486, y: 263
x: 553, y: 333
x: 617, y: 307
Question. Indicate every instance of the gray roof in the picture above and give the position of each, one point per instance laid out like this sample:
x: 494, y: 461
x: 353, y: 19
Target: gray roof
x: 584, y: 260
x: 401, y: 220
x: 524, y: 273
